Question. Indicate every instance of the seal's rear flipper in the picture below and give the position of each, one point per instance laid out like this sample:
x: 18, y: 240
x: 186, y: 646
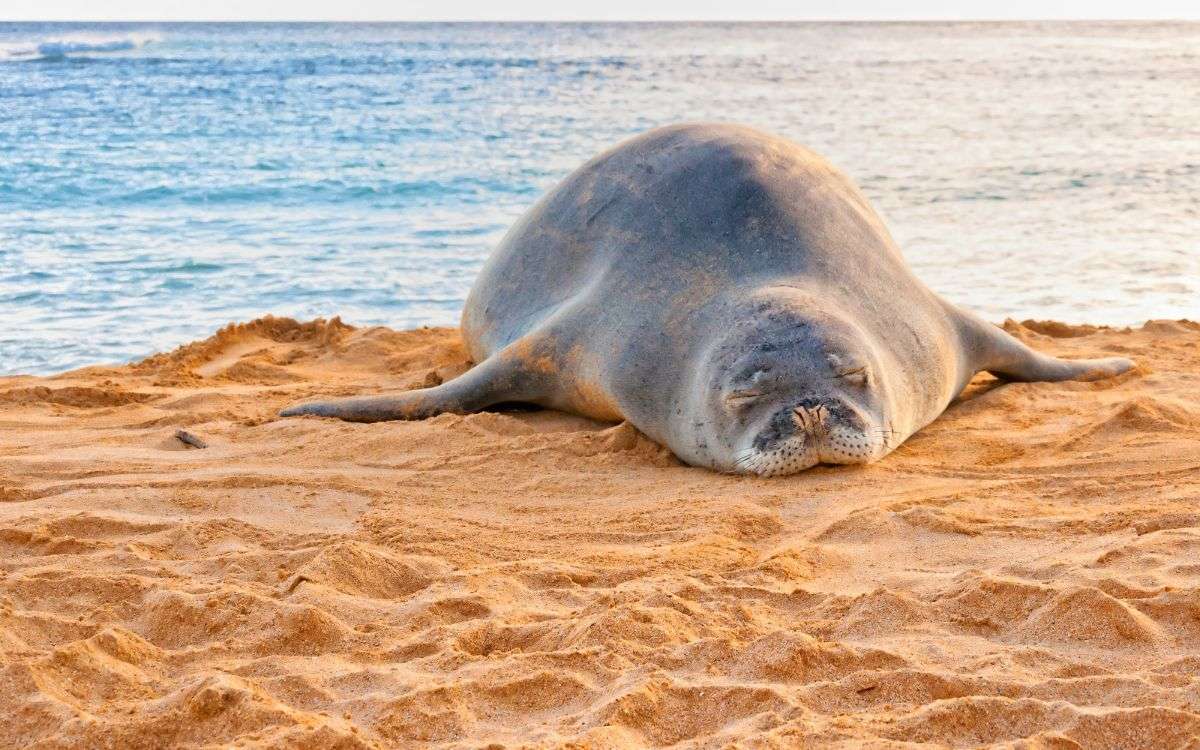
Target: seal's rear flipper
x: 498, y: 379
x: 1005, y: 357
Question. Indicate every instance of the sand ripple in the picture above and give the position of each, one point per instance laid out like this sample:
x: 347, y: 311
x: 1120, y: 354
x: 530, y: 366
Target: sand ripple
x: 1022, y: 573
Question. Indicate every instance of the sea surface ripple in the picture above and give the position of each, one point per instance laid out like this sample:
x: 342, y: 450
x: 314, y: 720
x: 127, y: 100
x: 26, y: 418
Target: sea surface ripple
x: 160, y: 180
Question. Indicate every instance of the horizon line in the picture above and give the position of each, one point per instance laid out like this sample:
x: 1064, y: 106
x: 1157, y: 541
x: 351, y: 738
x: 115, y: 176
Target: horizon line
x: 920, y: 19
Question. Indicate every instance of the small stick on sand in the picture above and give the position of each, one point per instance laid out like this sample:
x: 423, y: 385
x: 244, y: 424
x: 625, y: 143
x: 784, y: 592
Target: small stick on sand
x: 296, y: 580
x: 188, y: 438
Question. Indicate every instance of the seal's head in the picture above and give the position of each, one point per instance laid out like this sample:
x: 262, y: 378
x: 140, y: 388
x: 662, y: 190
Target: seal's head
x: 784, y: 391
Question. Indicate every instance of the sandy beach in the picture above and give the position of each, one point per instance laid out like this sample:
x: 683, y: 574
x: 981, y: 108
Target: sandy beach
x: 1023, y: 572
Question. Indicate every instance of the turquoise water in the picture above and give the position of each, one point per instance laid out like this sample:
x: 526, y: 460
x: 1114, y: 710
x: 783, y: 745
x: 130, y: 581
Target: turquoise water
x: 159, y: 180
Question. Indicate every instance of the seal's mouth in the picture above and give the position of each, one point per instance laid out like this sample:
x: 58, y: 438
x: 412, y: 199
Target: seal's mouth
x: 794, y: 456
x: 813, y: 432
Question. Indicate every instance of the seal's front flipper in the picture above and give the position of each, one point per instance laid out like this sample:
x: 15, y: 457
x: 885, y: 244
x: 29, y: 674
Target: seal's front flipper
x: 1005, y: 357
x: 1033, y: 366
x: 498, y: 379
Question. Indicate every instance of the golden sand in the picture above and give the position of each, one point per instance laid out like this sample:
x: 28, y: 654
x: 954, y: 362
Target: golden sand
x: 1026, y: 569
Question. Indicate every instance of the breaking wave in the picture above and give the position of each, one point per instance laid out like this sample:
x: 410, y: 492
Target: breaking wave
x: 73, y: 45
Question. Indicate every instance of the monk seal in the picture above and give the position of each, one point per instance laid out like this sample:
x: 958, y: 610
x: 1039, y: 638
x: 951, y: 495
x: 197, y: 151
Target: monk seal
x: 729, y: 293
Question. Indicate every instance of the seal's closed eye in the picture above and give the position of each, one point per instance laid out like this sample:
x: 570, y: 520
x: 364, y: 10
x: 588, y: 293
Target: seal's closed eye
x: 849, y: 371
x: 743, y: 395
x: 855, y: 375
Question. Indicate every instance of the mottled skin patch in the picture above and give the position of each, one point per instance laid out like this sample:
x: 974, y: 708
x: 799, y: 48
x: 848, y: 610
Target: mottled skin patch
x: 729, y: 293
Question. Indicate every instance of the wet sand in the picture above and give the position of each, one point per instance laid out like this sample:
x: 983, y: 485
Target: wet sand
x: 1026, y: 568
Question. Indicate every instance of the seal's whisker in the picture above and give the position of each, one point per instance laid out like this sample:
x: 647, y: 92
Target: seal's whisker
x: 744, y: 459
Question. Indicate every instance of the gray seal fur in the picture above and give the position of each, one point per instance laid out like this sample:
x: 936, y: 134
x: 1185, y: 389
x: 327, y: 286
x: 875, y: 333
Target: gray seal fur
x: 729, y: 293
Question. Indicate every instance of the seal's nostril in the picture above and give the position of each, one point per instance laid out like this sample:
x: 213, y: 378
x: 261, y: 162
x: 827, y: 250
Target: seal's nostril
x: 802, y: 417
x: 811, y: 412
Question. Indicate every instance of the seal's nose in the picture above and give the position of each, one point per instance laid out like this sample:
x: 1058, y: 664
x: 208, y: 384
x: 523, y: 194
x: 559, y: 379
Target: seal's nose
x: 811, y: 416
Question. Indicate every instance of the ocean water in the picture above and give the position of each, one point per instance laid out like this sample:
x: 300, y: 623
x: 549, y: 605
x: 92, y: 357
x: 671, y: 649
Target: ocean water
x: 160, y: 180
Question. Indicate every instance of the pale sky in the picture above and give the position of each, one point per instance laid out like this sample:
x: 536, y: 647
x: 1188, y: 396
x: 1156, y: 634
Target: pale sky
x: 506, y: 10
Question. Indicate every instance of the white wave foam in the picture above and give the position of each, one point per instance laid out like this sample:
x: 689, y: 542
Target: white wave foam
x: 74, y: 44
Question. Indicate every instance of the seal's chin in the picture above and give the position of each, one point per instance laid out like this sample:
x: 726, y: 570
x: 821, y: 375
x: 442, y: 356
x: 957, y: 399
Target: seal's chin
x: 803, y: 450
x: 787, y: 457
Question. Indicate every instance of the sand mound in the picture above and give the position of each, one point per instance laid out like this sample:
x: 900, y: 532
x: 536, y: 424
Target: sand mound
x: 1023, y: 573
